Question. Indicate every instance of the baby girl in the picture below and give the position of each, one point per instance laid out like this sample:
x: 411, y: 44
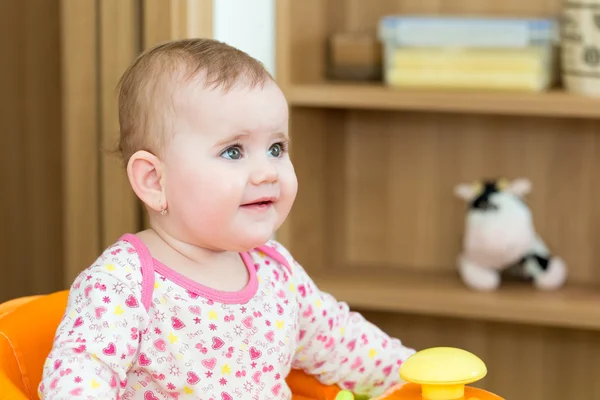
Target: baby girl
x: 204, y: 304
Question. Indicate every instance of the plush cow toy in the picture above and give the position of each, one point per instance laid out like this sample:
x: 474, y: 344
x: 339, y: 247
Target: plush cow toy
x: 500, y: 238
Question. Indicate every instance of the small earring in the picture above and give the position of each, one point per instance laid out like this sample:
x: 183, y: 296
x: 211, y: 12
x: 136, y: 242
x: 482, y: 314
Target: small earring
x: 163, y: 210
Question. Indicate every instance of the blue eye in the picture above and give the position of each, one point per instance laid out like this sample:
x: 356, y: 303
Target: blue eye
x: 232, y: 153
x: 276, y: 150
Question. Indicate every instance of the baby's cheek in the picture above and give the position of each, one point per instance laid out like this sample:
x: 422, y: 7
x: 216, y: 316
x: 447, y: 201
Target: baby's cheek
x: 292, y: 192
x: 288, y: 181
x: 288, y: 190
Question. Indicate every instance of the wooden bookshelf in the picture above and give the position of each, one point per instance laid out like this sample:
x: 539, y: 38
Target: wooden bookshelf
x: 554, y: 103
x: 376, y: 224
x: 573, y: 307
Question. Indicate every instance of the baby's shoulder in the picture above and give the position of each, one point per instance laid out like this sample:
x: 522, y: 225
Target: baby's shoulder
x: 274, y: 251
x: 123, y: 262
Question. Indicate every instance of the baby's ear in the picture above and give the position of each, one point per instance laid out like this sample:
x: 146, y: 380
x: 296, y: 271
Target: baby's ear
x: 520, y: 187
x: 465, y: 191
x: 145, y: 174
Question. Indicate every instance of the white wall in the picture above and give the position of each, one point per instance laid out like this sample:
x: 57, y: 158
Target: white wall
x: 248, y: 25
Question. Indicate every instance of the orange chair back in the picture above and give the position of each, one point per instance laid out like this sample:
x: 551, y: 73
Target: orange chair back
x: 27, y: 329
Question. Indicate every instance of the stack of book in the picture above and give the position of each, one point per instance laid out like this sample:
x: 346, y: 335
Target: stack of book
x: 469, y: 53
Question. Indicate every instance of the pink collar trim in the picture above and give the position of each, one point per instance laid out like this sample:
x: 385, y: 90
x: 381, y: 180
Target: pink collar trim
x: 239, y: 297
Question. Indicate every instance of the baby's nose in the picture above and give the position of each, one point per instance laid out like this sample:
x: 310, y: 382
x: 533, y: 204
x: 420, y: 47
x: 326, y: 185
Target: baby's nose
x: 264, y: 172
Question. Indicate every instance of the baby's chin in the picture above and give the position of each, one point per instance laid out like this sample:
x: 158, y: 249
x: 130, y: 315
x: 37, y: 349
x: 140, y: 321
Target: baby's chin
x: 247, y: 237
x: 249, y: 242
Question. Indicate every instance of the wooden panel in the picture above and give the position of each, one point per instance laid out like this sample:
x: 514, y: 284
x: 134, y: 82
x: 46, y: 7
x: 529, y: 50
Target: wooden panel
x: 156, y: 22
x: 14, y: 231
x: 524, y: 363
x: 402, y: 167
x: 80, y: 135
x: 315, y: 149
x: 195, y: 18
x: 553, y: 103
x: 31, y: 155
x: 300, y: 40
x: 176, y: 19
x: 283, y: 48
x: 119, y: 45
x: 359, y: 15
x: 444, y: 295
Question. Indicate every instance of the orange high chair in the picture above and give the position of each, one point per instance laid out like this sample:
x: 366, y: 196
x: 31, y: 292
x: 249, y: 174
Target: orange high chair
x: 28, y: 325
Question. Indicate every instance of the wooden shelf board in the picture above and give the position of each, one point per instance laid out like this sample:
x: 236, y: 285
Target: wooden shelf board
x: 570, y: 307
x: 554, y: 103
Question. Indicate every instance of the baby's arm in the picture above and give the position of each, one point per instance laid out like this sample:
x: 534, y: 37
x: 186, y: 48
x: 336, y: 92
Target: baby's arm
x: 340, y: 346
x: 98, y: 338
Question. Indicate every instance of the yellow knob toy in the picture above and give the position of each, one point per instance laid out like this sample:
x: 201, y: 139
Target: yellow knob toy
x: 443, y: 372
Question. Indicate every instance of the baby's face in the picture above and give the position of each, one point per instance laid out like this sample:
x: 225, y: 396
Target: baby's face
x: 228, y: 176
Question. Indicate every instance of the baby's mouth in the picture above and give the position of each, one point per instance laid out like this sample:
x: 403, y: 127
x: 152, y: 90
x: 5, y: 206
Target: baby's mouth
x: 260, y: 204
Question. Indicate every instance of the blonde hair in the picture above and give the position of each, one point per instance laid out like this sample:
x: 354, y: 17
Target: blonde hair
x: 147, y: 87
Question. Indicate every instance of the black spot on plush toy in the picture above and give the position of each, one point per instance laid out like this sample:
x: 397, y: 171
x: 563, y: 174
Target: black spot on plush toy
x: 500, y: 239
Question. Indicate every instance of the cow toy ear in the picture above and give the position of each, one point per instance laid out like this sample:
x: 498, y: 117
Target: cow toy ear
x: 519, y: 187
x: 467, y: 191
